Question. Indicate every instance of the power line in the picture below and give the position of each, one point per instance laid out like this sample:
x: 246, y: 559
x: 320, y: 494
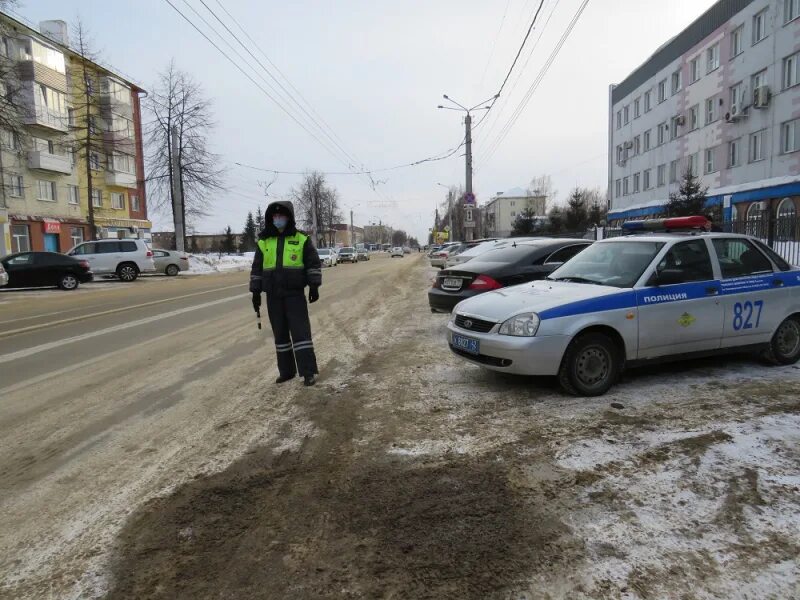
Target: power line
x: 494, y: 42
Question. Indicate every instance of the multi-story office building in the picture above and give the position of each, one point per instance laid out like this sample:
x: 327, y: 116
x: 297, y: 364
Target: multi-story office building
x: 502, y: 210
x: 44, y: 202
x: 720, y: 99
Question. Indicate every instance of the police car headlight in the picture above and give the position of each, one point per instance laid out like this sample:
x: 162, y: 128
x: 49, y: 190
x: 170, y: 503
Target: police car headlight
x: 524, y: 325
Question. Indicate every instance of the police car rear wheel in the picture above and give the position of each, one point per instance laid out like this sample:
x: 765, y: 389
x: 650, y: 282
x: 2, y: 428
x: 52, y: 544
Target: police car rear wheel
x: 784, y: 348
x: 590, y: 365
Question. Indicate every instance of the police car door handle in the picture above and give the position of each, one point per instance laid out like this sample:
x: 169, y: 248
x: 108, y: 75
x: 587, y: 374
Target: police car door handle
x: 712, y: 291
x: 777, y: 282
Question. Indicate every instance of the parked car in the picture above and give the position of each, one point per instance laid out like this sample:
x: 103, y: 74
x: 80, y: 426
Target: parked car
x: 439, y: 258
x: 348, y: 254
x: 45, y: 269
x: 467, y: 252
x: 328, y: 257
x: 363, y: 254
x: 170, y: 262
x: 123, y: 258
x: 406, y: 250
x: 635, y: 299
x: 397, y: 251
x: 511, y: 264
x: 3, y: 276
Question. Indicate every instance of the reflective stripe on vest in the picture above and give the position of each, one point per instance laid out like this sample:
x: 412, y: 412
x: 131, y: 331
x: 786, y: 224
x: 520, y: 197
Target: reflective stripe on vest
x: 292, y: 252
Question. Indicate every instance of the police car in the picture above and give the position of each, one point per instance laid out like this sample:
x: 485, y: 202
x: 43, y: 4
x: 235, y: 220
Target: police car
x: 634, y: 299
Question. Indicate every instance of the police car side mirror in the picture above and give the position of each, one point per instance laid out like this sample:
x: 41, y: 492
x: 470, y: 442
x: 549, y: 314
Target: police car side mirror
x: 669, y: 277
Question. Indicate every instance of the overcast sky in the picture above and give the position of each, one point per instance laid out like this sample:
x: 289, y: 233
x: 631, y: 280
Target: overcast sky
x: 375, y: 70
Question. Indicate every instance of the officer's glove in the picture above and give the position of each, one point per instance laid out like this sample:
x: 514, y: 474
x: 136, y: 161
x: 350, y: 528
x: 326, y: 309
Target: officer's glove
x: 256, y: 301
x: 313, y: 294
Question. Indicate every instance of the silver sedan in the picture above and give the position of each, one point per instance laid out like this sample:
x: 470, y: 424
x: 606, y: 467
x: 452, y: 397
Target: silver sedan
x: 170, y: 262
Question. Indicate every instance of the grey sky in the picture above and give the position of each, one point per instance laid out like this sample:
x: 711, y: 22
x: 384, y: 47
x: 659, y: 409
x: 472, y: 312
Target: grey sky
x: 375, y: 71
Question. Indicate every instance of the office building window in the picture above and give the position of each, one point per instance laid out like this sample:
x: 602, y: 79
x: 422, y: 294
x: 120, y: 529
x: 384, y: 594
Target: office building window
x: 694, y: 69
x: 635, y: 183
x: 692, y: 165
x: 647, y: 140
x: 736, y: 98
x: 711, y: 112
x: 619, y: 119
x: 760, y: 26
x: 791, y: 10
x: 662, y: 175
x: 72, y: 194
x: 117, y: 200
x: 673, y: 171
x: 637, y: 112
x: 662, y: 91
x: 637, y: 145
x: 135, y: 204
x: 625, y: 186
x: 791, y: 70
x: 712, y: 58
x: 619, y: 154
x: 97, y: 198
x: 646, y: 179
x: 662, y: 130
x: 710, y: 167
x: 648, y: 104
x: 737, y: 47
x: 694, y: 117
x: 20, y: 239
x: 675, y: 123
x: 790, y: 136
x: 15, y: 186
x: 618, y: 186
x: 676, y: 82
x: 757, y: 146
x: 46, y: 190
x: 76, y: 235
x: 626, y: 114
x: 758, y: 80
x: 733, y: 153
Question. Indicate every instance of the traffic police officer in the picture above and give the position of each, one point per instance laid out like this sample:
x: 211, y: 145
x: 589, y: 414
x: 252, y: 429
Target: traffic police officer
x: 285, y: 262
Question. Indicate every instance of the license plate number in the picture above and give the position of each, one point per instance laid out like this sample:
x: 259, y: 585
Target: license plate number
x: 451, y: 283
x: 466, y: 344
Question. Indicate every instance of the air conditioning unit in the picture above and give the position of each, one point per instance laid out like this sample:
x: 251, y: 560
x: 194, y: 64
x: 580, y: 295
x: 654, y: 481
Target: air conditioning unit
x: 761, y: 96
x: 681, y: 120
x: 736, y: 113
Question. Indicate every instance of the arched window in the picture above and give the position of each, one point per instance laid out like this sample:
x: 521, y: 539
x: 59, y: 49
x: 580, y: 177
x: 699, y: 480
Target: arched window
x: 754, y: 211
x: 787, y: 208
x: 755, y: 223
x: 786, y: 225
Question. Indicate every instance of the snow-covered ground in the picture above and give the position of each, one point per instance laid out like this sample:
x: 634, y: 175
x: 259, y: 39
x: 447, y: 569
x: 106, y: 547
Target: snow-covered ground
x: 215, y: 263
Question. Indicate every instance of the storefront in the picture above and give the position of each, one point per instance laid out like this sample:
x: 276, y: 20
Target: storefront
x: 50, y: 234
x: 132, y: 228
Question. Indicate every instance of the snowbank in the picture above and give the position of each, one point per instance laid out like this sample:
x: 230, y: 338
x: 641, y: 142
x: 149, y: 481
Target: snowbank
x: 214, y: 263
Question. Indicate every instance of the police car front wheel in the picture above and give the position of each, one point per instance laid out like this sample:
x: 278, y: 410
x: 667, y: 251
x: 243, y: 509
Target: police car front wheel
x: 590, y: 365
x: 784, y: 348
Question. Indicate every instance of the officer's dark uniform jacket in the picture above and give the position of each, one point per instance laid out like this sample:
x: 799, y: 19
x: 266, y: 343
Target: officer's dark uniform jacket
x: 284, y: 264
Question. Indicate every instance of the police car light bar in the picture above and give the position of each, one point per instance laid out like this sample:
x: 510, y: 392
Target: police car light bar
x: 697, y: 222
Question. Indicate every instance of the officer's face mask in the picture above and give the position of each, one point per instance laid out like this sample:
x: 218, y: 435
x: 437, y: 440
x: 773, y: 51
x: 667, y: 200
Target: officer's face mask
x: 280, y: 222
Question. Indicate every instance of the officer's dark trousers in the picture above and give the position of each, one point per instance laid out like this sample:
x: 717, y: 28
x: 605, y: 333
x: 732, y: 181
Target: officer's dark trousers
x: 291, y: 328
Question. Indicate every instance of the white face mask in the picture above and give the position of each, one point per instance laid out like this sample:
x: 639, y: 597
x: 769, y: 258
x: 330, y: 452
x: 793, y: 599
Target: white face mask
x: 280, y: 222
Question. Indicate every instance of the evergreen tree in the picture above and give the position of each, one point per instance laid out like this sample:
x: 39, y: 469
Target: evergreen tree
x: 229, y: 243
x: 596, y: 214
x: 556, y: 218
x: 525, y: 223
x: 249, y: 235
x: 576, y: 215
x: 690, y: 198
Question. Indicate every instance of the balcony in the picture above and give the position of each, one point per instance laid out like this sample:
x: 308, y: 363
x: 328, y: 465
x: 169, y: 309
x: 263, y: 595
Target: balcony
x: 121, y: 179
x: 43, y: 117
x: 45, y: 161
x: 119, y: 141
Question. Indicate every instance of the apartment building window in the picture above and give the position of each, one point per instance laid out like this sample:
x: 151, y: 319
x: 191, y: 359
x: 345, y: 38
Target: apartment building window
x: 46, y: 190
x: 50, y: 58
x: 711, y: 110
x: 76, y: 235
x: 662, y: 128
x: 760, y: 26
x: 618, y: 188
x: 790, y: 136
x: 89, y: 85
x: 619, y: 119
x: 791, y: 10
x: 637, y: 145
x: 619, y: 154
x: 123, y: 163
x: 692, y: 166
x: 636, y: 183
x: 676, y: 82
x: 646, y: 179
x: 626, y: 114
x: 625, y: 186
x: 637, y: 112
x: 662, y: 91
x: 647, y: 140
x: 694, y: 117
x: 118, y: 201
x: 694, y: 70
x: 791, y: 70
x: 661, y: 175
x: 11, y: 140
x: 758, y: 80
x: 712, y: 58
x: 94, y: 161
x: 673, y: 171
x: 733, y: 153
x: 42, y: 145
x: 20, y: 238
x: 648, y: 105
x: 736, y: 97
x: 710, y: 167
x: 737, y: 47
x: 135, y: 204
x: 72, y: 194
x: 4, y: 47
x: 757, y: 146
x: 97, y: 198
x: 675, y: 122
x: 15, y: 186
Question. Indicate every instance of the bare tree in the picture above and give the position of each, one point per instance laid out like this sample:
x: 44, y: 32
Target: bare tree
x: 313, y: 193
x: 542, y: 185
x: 12, y: 132
x: 178, y: 103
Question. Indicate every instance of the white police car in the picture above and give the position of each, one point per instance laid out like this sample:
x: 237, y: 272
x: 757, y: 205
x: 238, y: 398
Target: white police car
x: 634, y: 299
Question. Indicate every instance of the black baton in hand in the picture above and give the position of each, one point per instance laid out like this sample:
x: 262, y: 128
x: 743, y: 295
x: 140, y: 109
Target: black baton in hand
x: 258, y: 316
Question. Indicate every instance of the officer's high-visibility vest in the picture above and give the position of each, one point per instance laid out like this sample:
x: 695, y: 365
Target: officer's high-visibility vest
x: 292, y: 252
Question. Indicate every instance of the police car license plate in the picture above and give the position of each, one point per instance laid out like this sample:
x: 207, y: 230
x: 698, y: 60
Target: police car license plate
x: 467, y: 344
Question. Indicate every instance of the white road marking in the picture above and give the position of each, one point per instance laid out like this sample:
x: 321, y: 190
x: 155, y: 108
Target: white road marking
x: 106, y: 312
x: 86, y: 336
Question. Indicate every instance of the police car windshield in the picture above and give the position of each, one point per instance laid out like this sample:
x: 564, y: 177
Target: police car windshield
x: 617, y: 263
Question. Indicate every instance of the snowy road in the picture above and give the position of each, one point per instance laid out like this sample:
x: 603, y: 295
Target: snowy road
x: 171, y: 467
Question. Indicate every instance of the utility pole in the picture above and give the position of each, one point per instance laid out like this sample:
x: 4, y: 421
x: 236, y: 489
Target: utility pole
x: 352, y: 231
x: 314, y: 220
x: 468, y: 144
x: 177, y: 198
